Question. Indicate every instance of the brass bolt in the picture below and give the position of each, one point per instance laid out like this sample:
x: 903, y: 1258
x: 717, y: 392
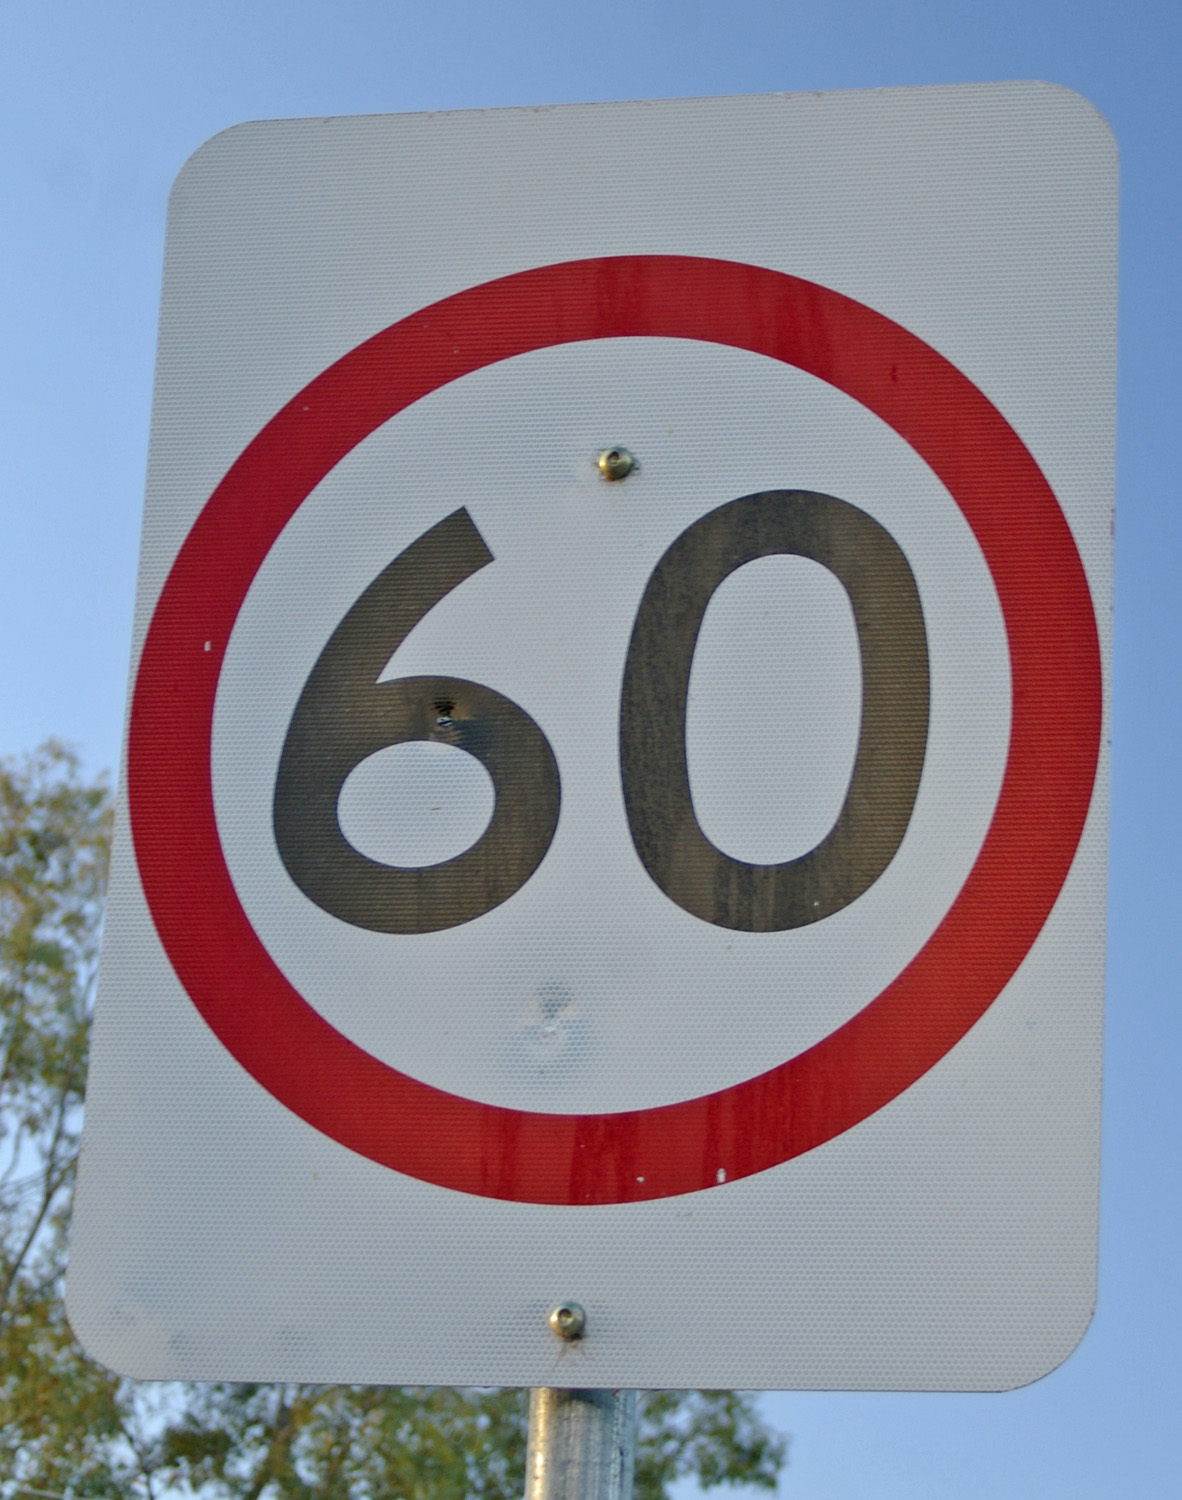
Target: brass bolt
x: 569, y: 1321
x: 615, y: 463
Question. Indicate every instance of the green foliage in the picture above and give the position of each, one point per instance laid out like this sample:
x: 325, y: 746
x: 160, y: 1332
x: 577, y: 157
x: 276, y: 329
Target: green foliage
x: 717, y: 1437
x: 344, y: 1442
x: 58, y: 1412
x: 69, y: 1428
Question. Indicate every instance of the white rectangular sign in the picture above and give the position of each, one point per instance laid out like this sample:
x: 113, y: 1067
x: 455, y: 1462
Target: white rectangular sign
x: 615, y: 792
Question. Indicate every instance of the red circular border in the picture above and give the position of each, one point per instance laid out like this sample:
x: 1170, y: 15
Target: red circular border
x: 578, y: 1159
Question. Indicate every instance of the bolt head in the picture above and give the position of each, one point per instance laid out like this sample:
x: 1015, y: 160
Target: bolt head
x: 569, y: 1321
x: 615, y: 463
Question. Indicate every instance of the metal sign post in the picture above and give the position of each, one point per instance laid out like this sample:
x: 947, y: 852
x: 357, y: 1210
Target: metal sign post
x: 582, y: 1445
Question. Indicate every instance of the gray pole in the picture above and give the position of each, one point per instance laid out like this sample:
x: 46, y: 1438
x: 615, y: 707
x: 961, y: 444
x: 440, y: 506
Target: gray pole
x: 582, y: 1445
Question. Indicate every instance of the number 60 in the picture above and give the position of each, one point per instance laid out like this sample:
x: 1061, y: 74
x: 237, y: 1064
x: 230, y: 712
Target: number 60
x: 344, y: 714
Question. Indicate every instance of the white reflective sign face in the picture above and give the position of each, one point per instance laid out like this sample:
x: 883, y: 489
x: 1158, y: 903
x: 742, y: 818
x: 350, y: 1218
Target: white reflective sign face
x: 680, y: 894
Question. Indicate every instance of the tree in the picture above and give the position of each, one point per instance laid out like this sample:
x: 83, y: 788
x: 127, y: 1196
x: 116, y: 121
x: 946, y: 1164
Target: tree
x: 58, y: 1412
x: 70, y: 1428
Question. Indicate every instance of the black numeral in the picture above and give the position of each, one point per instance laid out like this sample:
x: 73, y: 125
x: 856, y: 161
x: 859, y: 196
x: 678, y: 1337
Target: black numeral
x: 669, y: 840
x: 344, y: 715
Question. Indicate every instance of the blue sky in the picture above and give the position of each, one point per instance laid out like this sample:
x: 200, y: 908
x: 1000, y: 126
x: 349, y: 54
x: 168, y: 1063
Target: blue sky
x: 99, y: 107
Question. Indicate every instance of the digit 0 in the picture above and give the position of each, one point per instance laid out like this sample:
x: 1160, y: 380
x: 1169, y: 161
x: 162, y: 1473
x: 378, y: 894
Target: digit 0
x: 691, y: 871
x: 345, y: 714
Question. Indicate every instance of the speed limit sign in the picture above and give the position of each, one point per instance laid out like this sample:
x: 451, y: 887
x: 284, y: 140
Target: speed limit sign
x: 614, y: 796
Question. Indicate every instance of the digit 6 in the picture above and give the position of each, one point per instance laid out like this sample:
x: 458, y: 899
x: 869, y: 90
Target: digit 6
x: 344, y: 715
